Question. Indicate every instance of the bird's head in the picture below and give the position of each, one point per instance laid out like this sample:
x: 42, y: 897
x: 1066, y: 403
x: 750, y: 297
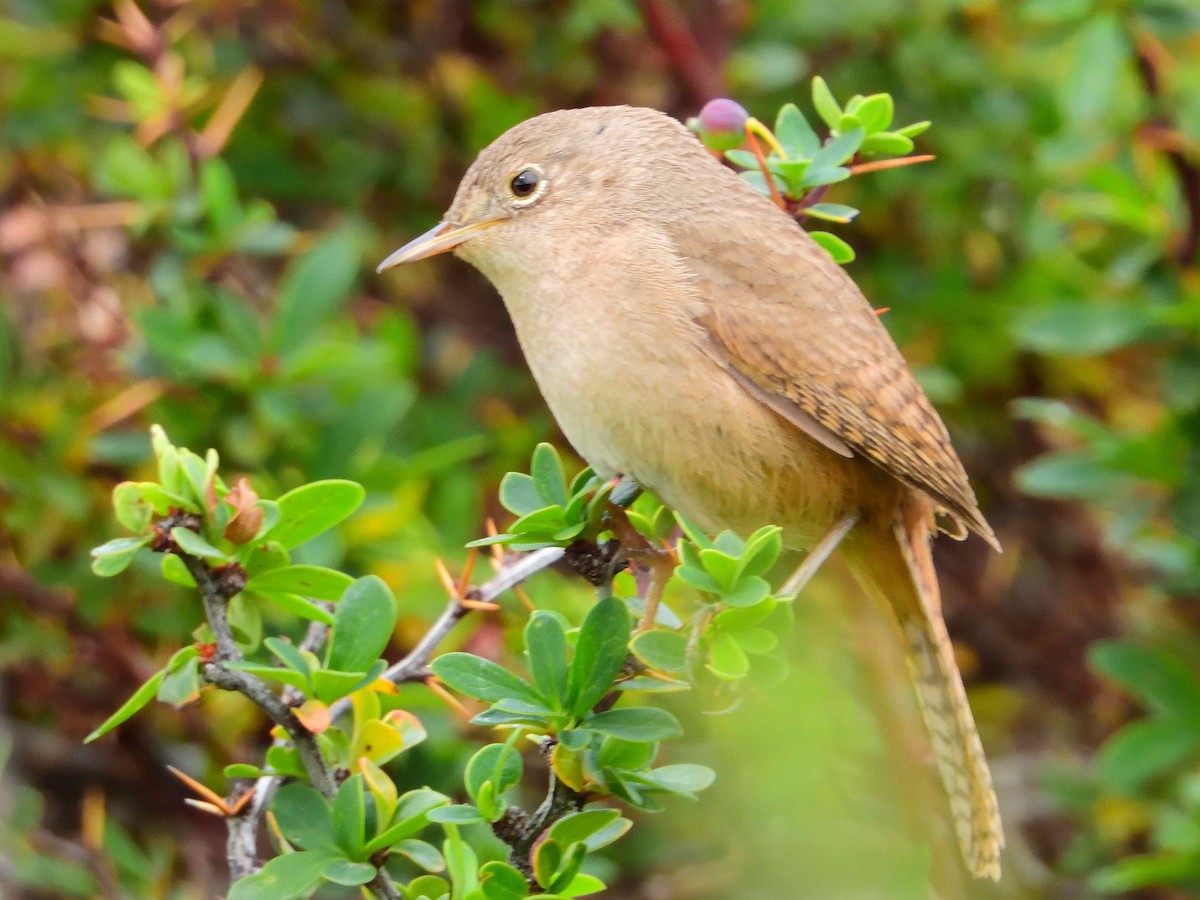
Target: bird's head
x: 557, y: 174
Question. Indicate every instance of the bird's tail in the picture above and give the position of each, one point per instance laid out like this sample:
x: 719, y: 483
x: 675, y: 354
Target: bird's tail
x: 895, y: 566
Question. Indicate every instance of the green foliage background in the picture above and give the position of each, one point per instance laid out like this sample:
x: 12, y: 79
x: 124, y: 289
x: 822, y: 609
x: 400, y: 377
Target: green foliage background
x: 1043, y: 280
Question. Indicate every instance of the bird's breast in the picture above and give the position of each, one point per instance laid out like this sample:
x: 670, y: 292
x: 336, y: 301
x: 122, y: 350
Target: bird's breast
x: 612, y: 338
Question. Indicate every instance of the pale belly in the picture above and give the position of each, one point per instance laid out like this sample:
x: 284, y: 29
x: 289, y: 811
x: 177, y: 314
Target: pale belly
x: 709, y: 450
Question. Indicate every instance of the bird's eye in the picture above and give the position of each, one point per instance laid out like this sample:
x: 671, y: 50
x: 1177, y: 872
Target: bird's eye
x: 527, y: 184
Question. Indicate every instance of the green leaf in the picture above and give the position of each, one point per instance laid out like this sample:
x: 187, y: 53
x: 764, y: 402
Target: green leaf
x: 750, y: 590
x: 1071, y: 473
x: 1154, y: 677
x: 199, y: 473
x: 661, y: 649
x: 182, y: 683
x: 290, y: 655
x: 831, y: 212
x: 347, y: 872
x: 1147, y: 870
x: 582, y: 885
x: 316, y: 582
x: 875, y: 112
x: 349, y: 816
x: 547, y: 857
x: 285, y: 760
x: 140, y: 698
x: 761, y: 551
x: 427, y: 886
x: 499, y: 764
x: 547, y: 473
x: 579, y: 826
x: 886, y: 143
x: 115, y: 556
x: 218, y: 188
x: 284, y: 877
x: 461, y: 864
x: 744, y: 159
x: 1101, y: 55
x: 838, y: 150
x: 457, y: 814
x: 299, y: 606
x: 639, y: 723
x: 758, y: 181
x: 313, y: 287
x: 1145, y: 749
x: 330, y: 684
x: 242, y: 770
x: 410, y: 817
x: 362, y: 625
x: 827, y: 108
x: 131, y: 510
x: 600, y: 652
x: 741, y: 618
x: 698, y: 578
x: 313, y: 508
x: 683, y: 779
x: 175, y: 571
x: 194, y: 545
x: 519, y: 495
x: 794, y: 133
x: 722, y: 567
x: 726, y: 659
x: 304, y: 817
x: 546, y: 647
x: 424, y: 855
x: 1068, y: 328
x: 500, y: 881
x: 913, y: 130
x: 568, y: 868
x: 841, y: 252
x: 481, y: 678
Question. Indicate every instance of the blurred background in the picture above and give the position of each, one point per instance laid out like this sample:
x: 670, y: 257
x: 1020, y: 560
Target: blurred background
x: 193, y: 196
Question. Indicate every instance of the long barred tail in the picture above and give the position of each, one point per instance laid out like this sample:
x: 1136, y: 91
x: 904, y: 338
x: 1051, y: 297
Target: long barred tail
x: 897, y: 567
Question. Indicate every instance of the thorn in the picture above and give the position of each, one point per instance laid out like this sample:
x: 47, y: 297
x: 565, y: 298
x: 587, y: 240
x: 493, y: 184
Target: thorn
x: 661, y: 676
x: 241, y: 802
x: 92, y: 816
x: 446, y: 579
x: 496, y: 550
x: 449, y: 699
x: 762, y: 164
x: 230, y: 111
x: 482, y: 605
x: 273, y: 827
x: 882, y: 310
x: 203, y: 790
x: 880, y: 164
x: 524, y: 598
x: 205, y: 806
x: 465, y: 581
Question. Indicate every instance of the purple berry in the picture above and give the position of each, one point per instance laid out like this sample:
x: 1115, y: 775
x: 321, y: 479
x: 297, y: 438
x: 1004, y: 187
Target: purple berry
x: 723, y: 123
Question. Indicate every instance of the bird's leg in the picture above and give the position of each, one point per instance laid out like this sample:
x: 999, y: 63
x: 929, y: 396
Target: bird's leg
x: 817, y: 556
x: 655, y: 562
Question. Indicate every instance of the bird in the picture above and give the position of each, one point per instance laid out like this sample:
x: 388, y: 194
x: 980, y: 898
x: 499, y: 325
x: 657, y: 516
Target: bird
x: 688, y: 334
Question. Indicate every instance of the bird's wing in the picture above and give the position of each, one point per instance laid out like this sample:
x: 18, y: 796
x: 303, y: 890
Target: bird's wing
x: 796, y: 331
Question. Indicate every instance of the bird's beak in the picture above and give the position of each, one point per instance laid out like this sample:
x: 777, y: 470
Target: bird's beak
x: 438, y: 239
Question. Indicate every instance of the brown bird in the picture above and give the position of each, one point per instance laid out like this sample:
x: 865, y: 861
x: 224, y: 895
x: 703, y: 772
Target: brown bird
x: 688, y: 334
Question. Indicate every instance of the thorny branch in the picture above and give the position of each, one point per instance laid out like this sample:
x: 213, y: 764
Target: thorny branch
x: 241, y: 846
x: 560, y: 800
